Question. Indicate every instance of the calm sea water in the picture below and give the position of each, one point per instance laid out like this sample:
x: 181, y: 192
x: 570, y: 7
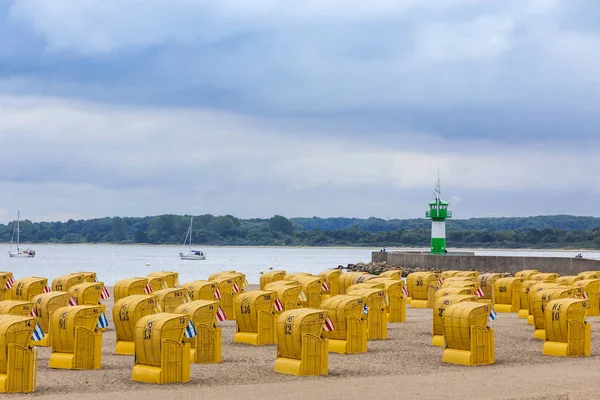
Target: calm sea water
x: 113, y: 263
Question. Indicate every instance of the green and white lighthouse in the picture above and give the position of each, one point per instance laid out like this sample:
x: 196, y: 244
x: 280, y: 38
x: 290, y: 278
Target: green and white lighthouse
x: 438, y: 212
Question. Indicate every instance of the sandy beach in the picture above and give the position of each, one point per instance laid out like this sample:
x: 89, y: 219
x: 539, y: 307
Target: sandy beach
x: 404, y: 366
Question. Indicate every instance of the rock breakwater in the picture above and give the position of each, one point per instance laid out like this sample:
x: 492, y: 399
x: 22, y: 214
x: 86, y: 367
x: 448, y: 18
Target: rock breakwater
x: 377, y: 268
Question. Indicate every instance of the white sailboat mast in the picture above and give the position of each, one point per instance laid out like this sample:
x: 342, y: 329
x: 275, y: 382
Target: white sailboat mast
x: 18, y: 229
x: 191, y: 223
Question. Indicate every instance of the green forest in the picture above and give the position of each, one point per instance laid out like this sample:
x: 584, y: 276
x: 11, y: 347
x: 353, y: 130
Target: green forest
x: 544, y: 232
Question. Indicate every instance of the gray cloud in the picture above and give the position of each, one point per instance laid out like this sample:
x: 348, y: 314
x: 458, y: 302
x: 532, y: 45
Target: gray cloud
x: 316, y: 57
x: 310, y: 108
x: 94, y: 160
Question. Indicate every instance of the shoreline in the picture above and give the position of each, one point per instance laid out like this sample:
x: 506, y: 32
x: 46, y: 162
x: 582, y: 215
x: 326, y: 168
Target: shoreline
x: 371, y: 248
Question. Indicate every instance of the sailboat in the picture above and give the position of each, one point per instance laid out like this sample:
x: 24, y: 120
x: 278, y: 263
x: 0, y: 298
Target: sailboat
x: 192, y: 254
x: 20, y: 253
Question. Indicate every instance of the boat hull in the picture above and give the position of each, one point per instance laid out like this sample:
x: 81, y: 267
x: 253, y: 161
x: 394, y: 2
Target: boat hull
x: 191, y: 257
x: 21, y: 255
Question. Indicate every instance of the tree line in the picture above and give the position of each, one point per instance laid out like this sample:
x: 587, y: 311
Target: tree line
x: 531, y: 232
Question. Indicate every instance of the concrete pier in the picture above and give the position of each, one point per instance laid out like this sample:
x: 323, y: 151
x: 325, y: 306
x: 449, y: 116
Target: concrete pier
x: 467, y: 261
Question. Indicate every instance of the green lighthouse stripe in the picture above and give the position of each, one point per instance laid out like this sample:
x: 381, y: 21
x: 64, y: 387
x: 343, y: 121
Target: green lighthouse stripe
x: 438, y: 245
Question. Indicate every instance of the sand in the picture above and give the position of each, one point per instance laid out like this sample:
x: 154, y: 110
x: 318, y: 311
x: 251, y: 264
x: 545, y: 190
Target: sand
x: 404, y: 366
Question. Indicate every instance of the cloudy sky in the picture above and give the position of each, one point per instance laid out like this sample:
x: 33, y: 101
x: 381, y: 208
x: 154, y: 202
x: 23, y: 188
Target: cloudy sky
x: 299, y: 108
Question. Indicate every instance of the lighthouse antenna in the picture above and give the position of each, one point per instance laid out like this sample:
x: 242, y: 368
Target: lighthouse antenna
x: 438, y: 189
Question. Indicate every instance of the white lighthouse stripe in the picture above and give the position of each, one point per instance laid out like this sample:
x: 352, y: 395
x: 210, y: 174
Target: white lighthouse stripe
x: 438, y: 229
